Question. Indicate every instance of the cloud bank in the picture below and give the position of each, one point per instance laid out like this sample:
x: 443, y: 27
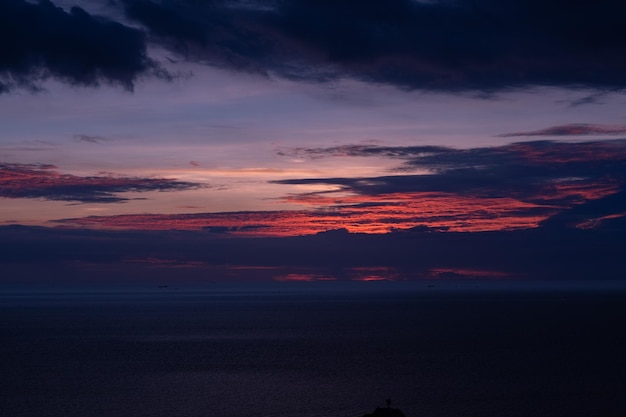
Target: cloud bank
x: 463, y: 45
x: 56, y: 255
x: 541, y: 177
x: 441, y: 45
x: 511, y: 187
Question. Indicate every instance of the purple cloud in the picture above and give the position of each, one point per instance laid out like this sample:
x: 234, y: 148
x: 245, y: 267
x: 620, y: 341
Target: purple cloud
x: 576, y: 129
x: 44, y: 181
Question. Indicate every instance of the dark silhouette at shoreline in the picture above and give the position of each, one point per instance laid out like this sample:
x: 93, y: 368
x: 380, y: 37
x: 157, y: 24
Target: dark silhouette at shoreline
x: 387, y: 411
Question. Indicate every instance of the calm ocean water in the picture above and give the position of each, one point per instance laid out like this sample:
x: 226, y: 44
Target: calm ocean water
x: 312, y: 353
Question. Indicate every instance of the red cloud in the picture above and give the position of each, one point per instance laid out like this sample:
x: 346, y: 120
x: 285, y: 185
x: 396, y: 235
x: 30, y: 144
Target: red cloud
x: 372, y: 214
x: 397, y: 212
x: 516, y: 186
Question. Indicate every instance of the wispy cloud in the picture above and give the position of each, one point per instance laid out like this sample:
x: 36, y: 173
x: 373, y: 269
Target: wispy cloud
x: 576, y: 129
x: 90, y: 139
x: 361, y: 150
x: 374, y: 215
x: 573, y: 159
x: 44, y: 181
x: 555, y: 177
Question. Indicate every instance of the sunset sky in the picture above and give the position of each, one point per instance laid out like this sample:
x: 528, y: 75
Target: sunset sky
x: 278, y: 119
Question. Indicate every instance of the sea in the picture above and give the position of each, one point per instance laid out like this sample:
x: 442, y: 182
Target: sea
x: 315, y: 350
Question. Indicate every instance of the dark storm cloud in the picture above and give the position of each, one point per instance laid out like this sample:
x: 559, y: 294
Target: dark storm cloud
x: 440, y: 45
x: 220, y: 33
x: 40, y: 40
x: 43, y: 181
x: 539, y: 172
x: 576, y: 129
x: 479, y: 45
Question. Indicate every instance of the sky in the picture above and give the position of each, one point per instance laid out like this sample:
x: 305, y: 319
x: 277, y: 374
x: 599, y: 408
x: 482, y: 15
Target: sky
x: 312, y: 140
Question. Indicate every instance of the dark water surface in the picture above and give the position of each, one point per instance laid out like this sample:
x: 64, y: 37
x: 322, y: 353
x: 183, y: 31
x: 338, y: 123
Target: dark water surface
x: 239, y: 353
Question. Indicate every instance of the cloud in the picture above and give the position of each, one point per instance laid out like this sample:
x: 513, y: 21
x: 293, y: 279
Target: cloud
x: 577, y: 129
x: 593, y: 214
x: 250, y: 223
x: 501, y: 187
x: 90, y: 139
x: 452, y: 46
x: 570, y: 157
x: 44, y: 181
x: 80, y: 256
x: 379, y: 214
x: 481, y: 45
x: 517, y: 186
x: 363, y: 151
x: 40, y: 41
